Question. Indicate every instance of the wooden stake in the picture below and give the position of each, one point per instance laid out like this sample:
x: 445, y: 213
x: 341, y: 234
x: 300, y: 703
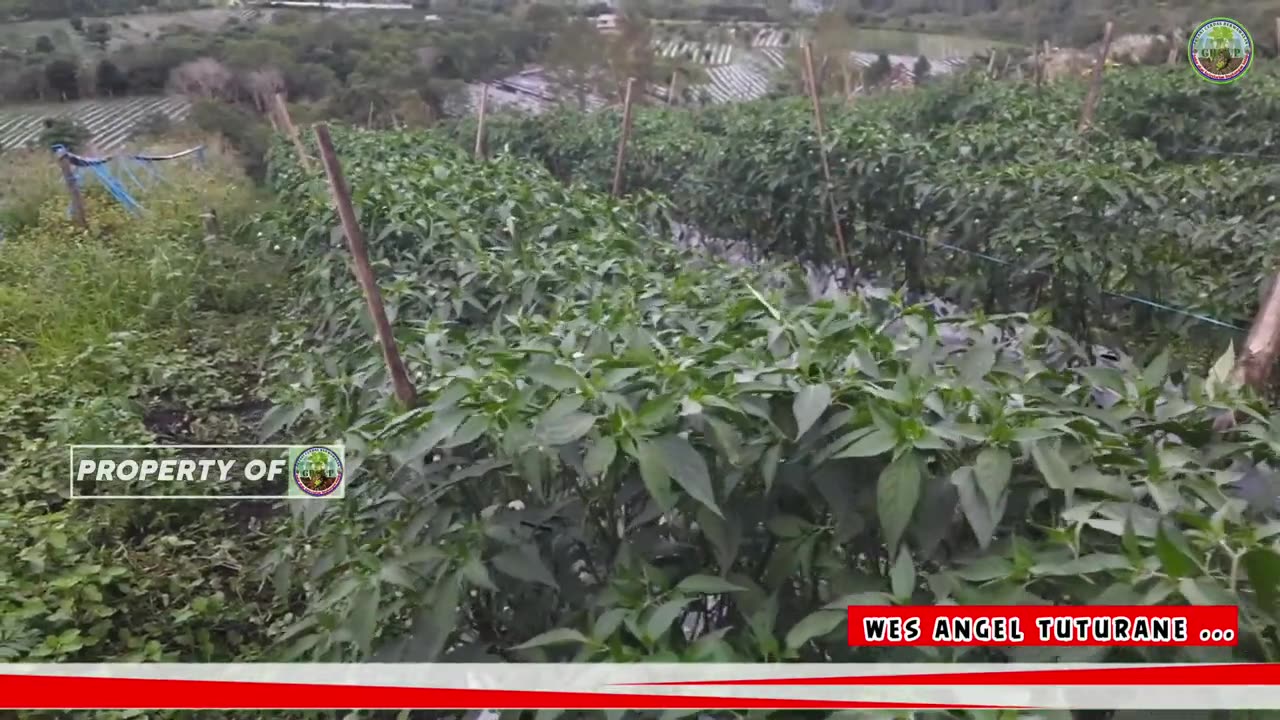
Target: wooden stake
x: 822, y: 150
x: 484, y: 105
x: 1278, y: 36
x: 1172, y: 58
x: 364, y: 272
x: 73, y: 189
x: 1039, y: 69
x: 991, y: 65
x: 671, y: 91
x: 1258, y: 356
x: 283, y: 109
x: 210, y: 219
x: 1262, y: 346
x: 622, y: 141
x: 1095, y: 85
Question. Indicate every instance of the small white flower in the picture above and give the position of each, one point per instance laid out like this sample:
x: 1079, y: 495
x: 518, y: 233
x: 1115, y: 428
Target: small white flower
x: 515, y: 505
x: 277, y: 247
x: 1075, y: 198
x: 1271, y: 198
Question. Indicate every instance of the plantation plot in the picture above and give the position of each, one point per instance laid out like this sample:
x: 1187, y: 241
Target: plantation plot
x: 736, y: 83
x: 983, y: 193
x: 704, y: 53
x: 109, y: 122
x: 625, y: 451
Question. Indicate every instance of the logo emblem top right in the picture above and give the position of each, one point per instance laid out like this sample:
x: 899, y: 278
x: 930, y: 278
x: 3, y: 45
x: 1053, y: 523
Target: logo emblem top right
x: 1221, y: 50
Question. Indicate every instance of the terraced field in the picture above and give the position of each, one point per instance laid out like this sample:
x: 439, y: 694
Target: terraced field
x: 741, y: 64
x: 110, y: 122
x: 704, y: 53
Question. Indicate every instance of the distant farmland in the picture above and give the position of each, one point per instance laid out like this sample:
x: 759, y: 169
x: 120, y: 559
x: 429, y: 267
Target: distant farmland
x: 110, y: 122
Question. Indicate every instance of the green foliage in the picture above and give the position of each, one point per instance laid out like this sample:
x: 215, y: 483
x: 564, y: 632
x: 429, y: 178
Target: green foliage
x: 65, y: 132
x: 100, y: 330
x: 1136, y: 208
x: 625, y: 451
x: 246, y: 131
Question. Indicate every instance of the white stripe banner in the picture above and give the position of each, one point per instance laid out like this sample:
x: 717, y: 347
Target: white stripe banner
x: 639, y: 686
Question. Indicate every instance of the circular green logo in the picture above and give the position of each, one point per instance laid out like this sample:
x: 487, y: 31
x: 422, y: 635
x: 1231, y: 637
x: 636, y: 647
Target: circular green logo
x: 317, y: 471
x: 1221, y: 50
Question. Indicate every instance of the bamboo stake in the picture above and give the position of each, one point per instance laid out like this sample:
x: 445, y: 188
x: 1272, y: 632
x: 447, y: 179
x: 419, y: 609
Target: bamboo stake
x: 991, y: 65
x: 364, y: 272
x: 1278, y: 36
x: 622, y: 141
x: 484, y: 106
x: 73, y: 188
x: 1095, y: 85
x: 210, y: 218
x: 1258, y: 356
x: 1039, y: 69
x: 671, y: 90
x: 1262, y: 345
x: 283, y: 109
x: 1174, y: 35
x: 822, y: 149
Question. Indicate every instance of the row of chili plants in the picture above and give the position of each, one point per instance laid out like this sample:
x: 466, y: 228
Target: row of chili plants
x: 625, y: 451
x: 983, y: 192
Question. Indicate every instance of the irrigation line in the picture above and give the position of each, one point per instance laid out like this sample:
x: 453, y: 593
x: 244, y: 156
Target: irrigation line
x: 1227, y: 153
x: 1121, y: 296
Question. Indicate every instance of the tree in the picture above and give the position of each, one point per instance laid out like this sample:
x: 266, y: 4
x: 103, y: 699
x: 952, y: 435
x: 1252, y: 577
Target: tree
x: 921, y: 70
x: 63, y: 78
x: 111, y: 80
x: 44, y: 45
x: 263, y: 84
x: 630, y: 53
x: 574, y: 61
x: 878, y: 72
x: 247, y: 133
x: 99, y: 34
x: 205, y: 78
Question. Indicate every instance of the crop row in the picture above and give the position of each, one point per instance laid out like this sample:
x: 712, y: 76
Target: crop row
x: 109, y: 122
x: 624, y: 451
x: 981, y: 192
x: 704, y: 53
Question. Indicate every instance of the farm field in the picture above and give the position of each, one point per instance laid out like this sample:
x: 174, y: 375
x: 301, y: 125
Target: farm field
x: 735, y: 73
x: 641, y: 431
x: 579, y: 367
x: 110, y: 122
x: 961, y: 181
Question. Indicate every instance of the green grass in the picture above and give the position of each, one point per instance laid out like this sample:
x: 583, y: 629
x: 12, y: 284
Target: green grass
x: 100, y: 330
x: 65, y: 289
